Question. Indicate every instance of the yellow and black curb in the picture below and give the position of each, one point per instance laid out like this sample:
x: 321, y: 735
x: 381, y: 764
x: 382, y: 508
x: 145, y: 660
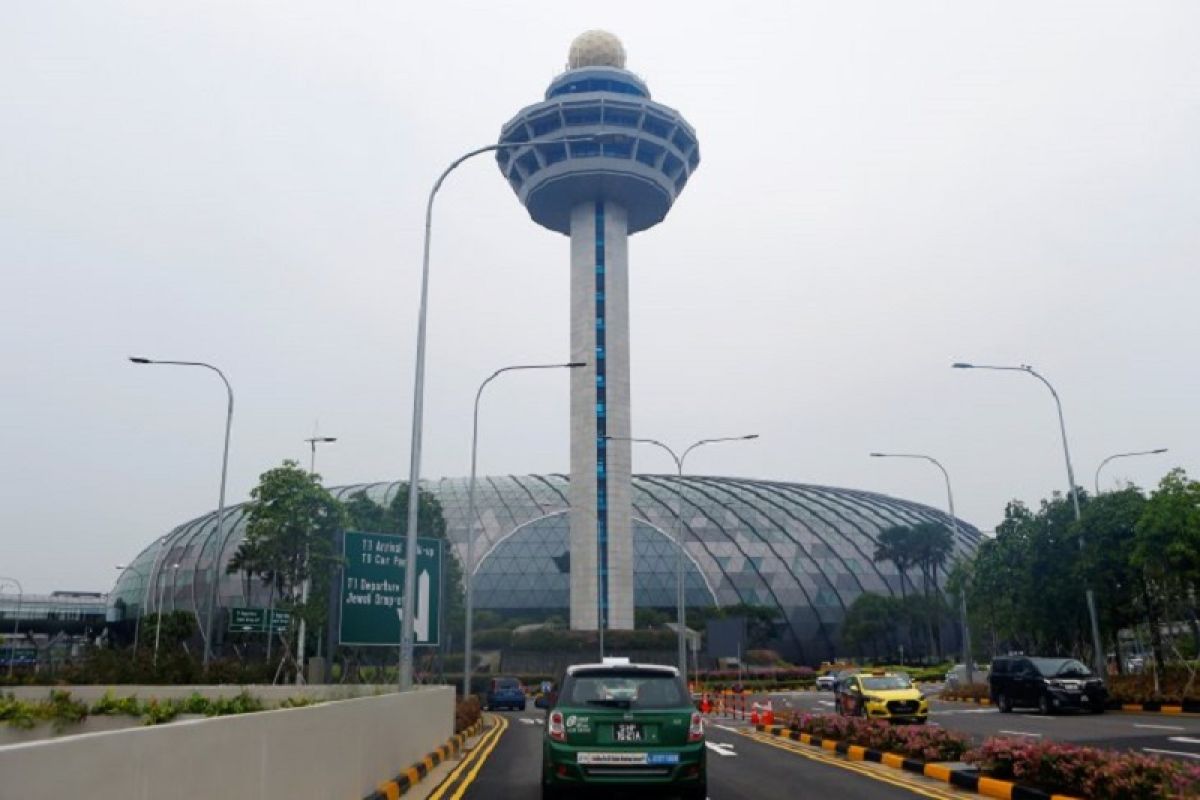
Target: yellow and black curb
x: 963, y: 779
x: 390, y: 790
x: 1151, y: 707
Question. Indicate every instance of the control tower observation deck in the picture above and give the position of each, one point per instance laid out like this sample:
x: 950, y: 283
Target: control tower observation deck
x: 599, y: 160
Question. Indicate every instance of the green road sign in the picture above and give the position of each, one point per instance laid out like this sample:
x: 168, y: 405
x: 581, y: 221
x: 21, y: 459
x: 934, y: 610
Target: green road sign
x: 254, y: 620
x: 373, y: 590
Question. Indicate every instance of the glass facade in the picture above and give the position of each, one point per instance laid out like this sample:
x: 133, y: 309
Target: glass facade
x: 807, y: 550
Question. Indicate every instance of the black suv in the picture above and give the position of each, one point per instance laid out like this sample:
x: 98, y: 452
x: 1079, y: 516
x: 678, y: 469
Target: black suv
x: 1049, y: 684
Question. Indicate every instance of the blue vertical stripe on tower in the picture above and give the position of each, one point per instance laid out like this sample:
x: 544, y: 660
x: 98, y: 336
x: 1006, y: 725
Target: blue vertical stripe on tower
x: 601, y: 428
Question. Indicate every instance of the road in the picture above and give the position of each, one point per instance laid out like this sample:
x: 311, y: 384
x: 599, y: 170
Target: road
x: 741, y: 764
x: 1175, y: 736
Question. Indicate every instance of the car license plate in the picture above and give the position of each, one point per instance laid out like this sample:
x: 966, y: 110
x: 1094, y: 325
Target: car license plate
x: 627, y: 732
x: 611, y: 759
x: 663, y: 758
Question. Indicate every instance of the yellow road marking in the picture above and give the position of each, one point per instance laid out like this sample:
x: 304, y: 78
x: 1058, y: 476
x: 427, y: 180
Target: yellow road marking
x: 470, y: 759
x: 479, y: 762
x: 859, y: 767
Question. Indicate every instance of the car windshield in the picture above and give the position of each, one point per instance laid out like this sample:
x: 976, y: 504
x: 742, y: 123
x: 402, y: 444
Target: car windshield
x: 507, y: 684
x: 626, y: 689
x: 885, y: 682
x: 1061, y: 668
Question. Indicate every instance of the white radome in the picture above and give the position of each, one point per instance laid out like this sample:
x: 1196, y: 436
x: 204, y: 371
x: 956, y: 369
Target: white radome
x: 596, y: 49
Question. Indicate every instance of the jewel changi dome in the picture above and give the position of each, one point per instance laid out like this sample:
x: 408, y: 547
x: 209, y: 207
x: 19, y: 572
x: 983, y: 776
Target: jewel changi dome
x: 803, y: 549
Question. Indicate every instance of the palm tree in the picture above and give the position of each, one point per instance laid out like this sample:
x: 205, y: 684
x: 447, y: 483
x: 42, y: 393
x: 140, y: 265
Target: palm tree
x: 896, y: 544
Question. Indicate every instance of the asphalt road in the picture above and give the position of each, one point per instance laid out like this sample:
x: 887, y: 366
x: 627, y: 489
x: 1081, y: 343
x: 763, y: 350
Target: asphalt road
x: 741, y: 764
x: 1172, y: 735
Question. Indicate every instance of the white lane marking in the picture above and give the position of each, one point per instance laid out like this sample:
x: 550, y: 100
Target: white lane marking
x: 1023, y: 733
x: 531, y: 720
x: 825, y: 702
x: 727, y: 728
x: 1039, y: 716
x: 720, y: 749
x: 1170, y: 752
x: 1183, y: 740
x: 1160, y: 727
x: 942, y: 713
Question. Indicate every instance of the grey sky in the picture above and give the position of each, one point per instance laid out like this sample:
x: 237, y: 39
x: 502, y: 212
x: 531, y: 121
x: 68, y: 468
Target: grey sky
x: 885, y: 188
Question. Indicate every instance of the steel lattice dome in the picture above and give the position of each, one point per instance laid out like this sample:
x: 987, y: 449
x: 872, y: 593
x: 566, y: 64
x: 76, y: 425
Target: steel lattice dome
x: 807, y: 550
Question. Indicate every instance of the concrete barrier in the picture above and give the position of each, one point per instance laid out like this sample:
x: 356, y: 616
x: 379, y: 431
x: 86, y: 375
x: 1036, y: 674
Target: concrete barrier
x: 332, y: 751
x: 268, y: 694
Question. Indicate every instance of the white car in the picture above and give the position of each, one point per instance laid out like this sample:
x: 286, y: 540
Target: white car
x: 826, y: 683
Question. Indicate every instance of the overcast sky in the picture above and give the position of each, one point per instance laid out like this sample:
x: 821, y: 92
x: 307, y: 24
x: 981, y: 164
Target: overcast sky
x: 885, y: 188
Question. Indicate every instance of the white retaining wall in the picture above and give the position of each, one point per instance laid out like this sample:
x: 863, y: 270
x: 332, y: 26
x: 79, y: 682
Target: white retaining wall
x: 334, y: 751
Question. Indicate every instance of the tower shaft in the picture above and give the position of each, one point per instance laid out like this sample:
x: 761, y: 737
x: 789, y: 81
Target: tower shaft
x: 601, y: 525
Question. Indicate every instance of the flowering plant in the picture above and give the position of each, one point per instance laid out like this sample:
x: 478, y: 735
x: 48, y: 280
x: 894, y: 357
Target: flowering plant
x: 914, y: 741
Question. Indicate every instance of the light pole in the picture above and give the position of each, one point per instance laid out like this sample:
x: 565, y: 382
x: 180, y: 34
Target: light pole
x: 467, y: 639
x: 680, y: 602
x: 137, y: 627
x: 968, y: 660
x: 158, y: 610
x: 1124, y: 455
x: 1098, y: 651
x: 220, y: 544
x: 304, y: 589
x: 12, y: 652
x: 414, y: 463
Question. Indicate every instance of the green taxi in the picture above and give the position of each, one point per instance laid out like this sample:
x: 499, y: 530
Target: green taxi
x: 622, y: 724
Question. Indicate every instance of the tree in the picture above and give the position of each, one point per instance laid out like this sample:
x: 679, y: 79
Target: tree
x: 896, y: 545
x: 292, y: 521
x: 1108, y: 525
x: 870, y: 622
x: 1167, y: 548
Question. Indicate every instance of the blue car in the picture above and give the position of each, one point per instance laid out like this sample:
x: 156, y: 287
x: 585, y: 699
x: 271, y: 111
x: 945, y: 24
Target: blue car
x: 505, y: 693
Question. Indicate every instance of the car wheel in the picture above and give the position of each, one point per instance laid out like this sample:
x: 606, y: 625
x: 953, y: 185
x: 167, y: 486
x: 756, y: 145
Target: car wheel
x: 696, y: 792
x: 1097, y: 709
x: 1003, y: 703
x: 550, y: 791
x: 1044, y: 706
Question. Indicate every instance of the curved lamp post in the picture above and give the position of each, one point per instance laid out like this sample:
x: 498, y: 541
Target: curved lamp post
x: 1098, y: 650
x: 414, y: 464
x: 302, y: 633
x: 680, y: 601
x: 469, y: 631
x: 1124, y: 455
x: 968, y: 660
x: 220, y: 543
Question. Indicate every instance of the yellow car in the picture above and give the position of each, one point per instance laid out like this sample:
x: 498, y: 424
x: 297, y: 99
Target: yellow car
x: 882, y: 695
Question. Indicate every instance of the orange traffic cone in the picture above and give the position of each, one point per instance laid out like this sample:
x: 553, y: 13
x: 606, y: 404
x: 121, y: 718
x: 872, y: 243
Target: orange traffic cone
x: 754, y: 718
x: 768, y: 716
x: 705, y: 706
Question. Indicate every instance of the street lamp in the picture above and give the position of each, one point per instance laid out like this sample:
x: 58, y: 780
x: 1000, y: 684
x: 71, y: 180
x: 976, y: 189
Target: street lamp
x: 220, y: 545
x: 158, y: 610
x: 414, y: 465
x: 467, y: 639
x: 680, y: 602
x: 1098, y: 651
x: 12, y: 653
x: 303, y: 632
x: 1124, y: 455
x: 968, y: 661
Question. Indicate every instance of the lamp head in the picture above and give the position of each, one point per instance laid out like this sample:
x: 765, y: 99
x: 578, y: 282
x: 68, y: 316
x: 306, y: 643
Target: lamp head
x: 1159, y: 450
x: 577, y: 364
x: 878, y: 455
x: 750, y: 436
x: 962, y: 365
x: 140, y: 360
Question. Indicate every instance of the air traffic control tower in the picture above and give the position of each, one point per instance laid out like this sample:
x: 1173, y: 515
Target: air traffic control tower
x: 604, y: 161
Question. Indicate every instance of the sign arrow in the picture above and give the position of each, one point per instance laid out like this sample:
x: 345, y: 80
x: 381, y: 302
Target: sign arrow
x: 421, y: 617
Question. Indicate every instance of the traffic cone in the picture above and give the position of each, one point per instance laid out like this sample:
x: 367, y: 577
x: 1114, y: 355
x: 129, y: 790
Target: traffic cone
x: 754, y: 718
x: 705, y: 705
x: 768, y: 716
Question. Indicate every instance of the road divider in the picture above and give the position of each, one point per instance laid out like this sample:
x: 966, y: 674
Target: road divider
x: 406, y: 780
x: 455, y: 785
x: 968, y: 779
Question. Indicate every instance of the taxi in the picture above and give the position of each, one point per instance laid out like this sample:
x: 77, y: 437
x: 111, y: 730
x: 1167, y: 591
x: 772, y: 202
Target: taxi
x: 882, y: 695
x: 616, y: 725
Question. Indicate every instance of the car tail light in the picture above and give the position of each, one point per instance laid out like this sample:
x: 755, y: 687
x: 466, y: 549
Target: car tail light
x: 555, y: 727
x: 696, y: 730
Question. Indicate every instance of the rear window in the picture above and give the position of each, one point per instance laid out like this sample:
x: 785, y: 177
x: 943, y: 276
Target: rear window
x: 505, y: 684
x: 1061, y: 668
x: 632, y: 689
